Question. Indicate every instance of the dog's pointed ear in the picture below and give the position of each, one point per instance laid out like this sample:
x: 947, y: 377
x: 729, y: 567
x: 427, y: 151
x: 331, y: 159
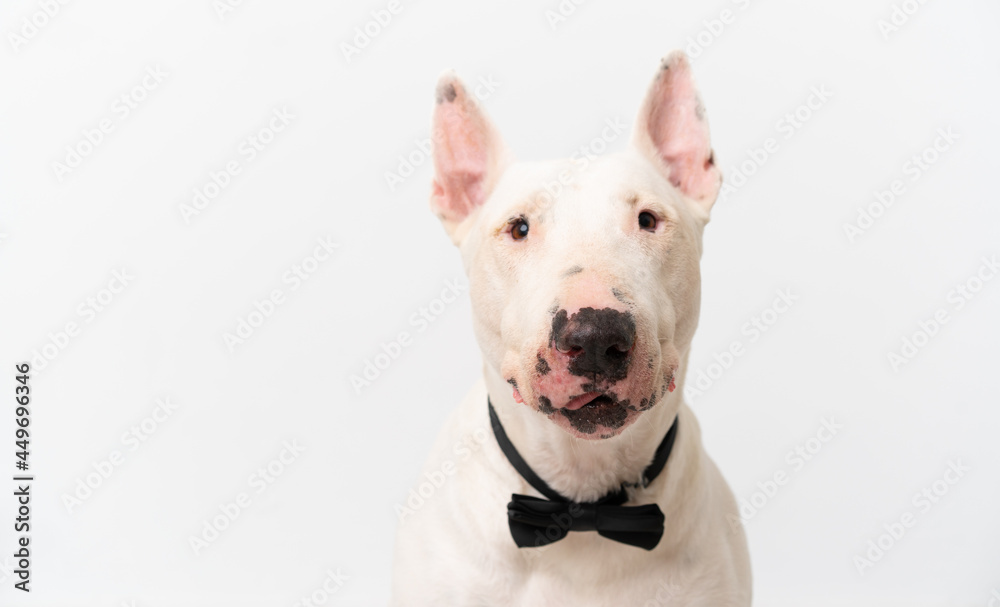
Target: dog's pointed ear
x: 469, y: 155
x: 672, y: 130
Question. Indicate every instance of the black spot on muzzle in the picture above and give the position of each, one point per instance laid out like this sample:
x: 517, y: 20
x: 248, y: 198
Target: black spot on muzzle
x: 599, y: 342
x: 542, y: 366
x: 446, y: 93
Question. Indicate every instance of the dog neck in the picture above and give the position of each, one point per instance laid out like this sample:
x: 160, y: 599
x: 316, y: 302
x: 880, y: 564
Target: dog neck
x: 579, y: 469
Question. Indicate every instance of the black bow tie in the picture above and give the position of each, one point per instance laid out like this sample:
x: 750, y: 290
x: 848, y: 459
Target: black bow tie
x: 537, y: 522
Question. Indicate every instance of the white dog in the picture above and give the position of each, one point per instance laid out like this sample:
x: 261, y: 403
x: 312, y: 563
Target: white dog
x: 585, y: 286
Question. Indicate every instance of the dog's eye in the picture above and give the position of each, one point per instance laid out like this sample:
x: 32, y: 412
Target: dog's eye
x: 519, y: 229
x: 647, y: 221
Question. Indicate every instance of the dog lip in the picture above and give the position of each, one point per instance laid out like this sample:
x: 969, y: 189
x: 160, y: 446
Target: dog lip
x: 578, y: 402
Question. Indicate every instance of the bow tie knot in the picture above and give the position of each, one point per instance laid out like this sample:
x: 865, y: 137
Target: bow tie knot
x: 538, y: 522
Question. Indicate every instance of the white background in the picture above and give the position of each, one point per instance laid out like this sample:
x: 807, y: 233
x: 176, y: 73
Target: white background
x: 324, y: 175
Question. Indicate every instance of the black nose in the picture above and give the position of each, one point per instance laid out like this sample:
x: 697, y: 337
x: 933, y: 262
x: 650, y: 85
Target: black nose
x: 599, y: 341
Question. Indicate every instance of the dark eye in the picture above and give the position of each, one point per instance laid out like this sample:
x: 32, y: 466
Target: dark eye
x: 647, y: 221
x: 519, y: 229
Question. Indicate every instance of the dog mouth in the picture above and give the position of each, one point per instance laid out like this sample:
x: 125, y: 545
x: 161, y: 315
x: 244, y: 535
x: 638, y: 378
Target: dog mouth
x: 601, y: 411
x: 589, y: 412
x: 585, y: 400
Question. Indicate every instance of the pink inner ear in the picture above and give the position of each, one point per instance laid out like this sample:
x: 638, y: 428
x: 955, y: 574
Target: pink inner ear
x: 462, y: 149
x: 677, y: 127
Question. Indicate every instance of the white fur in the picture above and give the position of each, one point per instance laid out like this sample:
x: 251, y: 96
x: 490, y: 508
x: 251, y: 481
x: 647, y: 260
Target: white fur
x: 456, y: 548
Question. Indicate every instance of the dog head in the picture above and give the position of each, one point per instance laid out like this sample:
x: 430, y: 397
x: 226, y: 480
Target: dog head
x: 583, y: 272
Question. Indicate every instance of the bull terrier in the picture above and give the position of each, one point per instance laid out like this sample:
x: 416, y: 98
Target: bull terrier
x: 573, y: 473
